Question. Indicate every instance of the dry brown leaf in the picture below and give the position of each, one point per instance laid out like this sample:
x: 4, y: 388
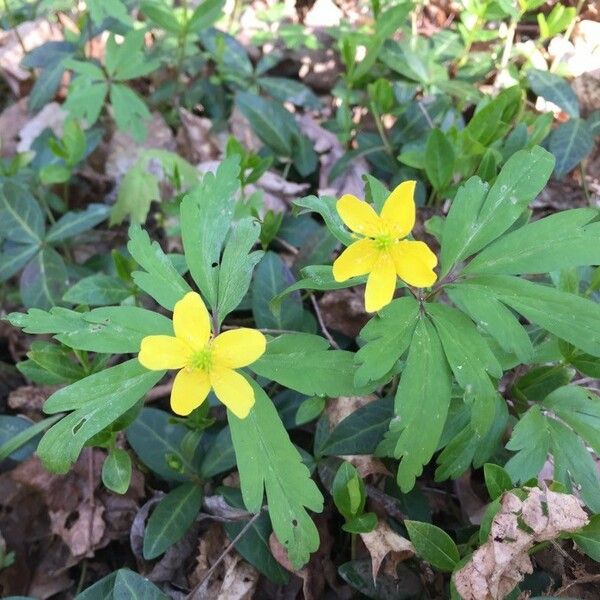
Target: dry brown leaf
x: 29, y: 398
x: 240, y: 579
x: 344, y: 311
x: 33, y: 34
x: 51, y: 116
x: 195, y: 140
x: 501, y: 563
x: 384, y: 542
x: 12, y: 120
x: 81, y: 530
x: 242, y: 131
x: 338, y: 409
x: 367, y: 464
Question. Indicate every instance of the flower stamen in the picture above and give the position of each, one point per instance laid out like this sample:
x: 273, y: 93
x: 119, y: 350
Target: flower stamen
x: 201, y: 360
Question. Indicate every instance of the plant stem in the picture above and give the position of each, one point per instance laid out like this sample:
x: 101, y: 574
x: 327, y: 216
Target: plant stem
x: 13, y: 23
x: 508, y: 45
x: 381, y: 130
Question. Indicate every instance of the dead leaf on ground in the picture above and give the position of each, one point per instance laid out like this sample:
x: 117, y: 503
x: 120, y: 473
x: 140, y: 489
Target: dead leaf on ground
x: 52, y: 116
x: 195, y: 140
x: 337, y: 409
x: 28, y: 399
x: 330, y: 150
x: 242, y: 131
x: 12, y: 121
x: 384, y: 542
x: 366, y: 464
x: 502, y: 562
x: 344, y: 311
x: 33, y: 34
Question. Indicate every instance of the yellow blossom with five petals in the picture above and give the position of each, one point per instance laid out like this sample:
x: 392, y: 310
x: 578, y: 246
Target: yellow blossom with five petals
x: 382, y: 252
x: 205, y: 362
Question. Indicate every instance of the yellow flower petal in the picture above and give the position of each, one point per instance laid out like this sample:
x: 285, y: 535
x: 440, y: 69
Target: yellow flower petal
x: 158, y: 352
x: 190, y: 388
x: 399, y: 209
x: 233, y: 391
x: 358, y: 216
x: 357, y: 259
x: 238, y: 348
x: 414, y: 263
x: 191, y: 321
x: 381, y: 284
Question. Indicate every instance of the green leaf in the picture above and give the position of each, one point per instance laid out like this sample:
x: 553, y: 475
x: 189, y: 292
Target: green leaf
x: 555, y: 89
x: 579, y: 408
x: 497, y: 480
x: 254, y: 544
x: 160, y: 279
x: 290, y: 90
x: 361, y: 431
x: 570, y: 143
x: 131, y: 586
x: 97, y: 401
x: 171, y: 519
x: 13, y: 257
x: 325, y: 206
x: 205, y: 14
x: 237, y: 265
x: 476, y: 220
x: 588, y: 538
x: 55, y: 360
x: 101, y: 590
x: 310, y: 409
x: 433, y: 545
x: 493, y: 317
x: 267, y: 459
x: 272, y: 123
x: 17, y: 433
x: 105, y: 9
x: 87, y: 91
x: 439, y: 160
x: 550, y: 308
x: 271, y: 278
x: 159, y: 444
x: 560, y: 241
x: 56, y: 173
x: 74, y: 223
x: 531, y: 442
x: 471, y: 361
x: 44, y: 279
x: 388, y: 335
x: 162, y: 15
x: 21, y: 218
x: 206, y: 215
x: 422, y: 403
x: 98, y: 290
x: 220, y: 456
x: 130, y: 111
x: 348, y: 491
x: 116, y: 471
x: 303, y: 362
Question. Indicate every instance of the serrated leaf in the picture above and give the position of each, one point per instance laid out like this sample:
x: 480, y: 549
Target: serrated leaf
x: 433, y: 545
x: 237, y: 265
x: 388, y: 335
x: 568, y: 316
x: 325, y: 206
x: 171, y: 518
x: 130, y: 111
x: 97, y: 401
x: 160, y: 279
x: 588, y: 538
x: 268, y: 461
x: 471, y: 361
x: 422, y: 402
x: 560, y: 241
x: 304, y: 362
x: 98, y: 290
x: 476, y: 219
x: 206, y: 215
x: 497, y: 480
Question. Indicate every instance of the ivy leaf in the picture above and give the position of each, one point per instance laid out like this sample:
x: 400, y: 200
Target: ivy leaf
x: 21, y: 218
x: 98, y: 290
x: 160, y: 279
x: 206, y: 215
x: 421, y: 399
x: 570, y: 143
x: 471, y: 361
x: 555, y: 89
x: 304, y: 362
x: 237, y: 265
x: 15, y: 256
x: 268, y: 460
x: 76, y: 222
x: 439, y: 159
x: 96, y: 402
x: 44, y: 280
x: 388, y: 335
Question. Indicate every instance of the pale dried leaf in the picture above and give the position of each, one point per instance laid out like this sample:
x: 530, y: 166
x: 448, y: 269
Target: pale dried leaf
x: 384, y: 542
x: 502, y: 562
x: 338, y: 409
x: 52, y: 116
x: 81, y: 530
x: 195, y: 140
x: 12, y: 119
x: 367, y: 465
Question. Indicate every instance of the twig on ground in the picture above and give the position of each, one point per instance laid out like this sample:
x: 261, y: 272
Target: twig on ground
x: 322, y: 325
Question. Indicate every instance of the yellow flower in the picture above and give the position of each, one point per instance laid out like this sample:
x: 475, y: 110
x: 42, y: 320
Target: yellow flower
x: 382, y: 252
x: 205, y: 361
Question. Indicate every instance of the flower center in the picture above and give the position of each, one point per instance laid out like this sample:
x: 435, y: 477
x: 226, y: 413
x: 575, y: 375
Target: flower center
x: 202, y: 359
x: 384, y: 241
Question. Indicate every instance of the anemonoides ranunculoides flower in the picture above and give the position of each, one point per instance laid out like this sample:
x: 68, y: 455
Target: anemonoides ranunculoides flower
x: 381, y: 250
x: 205, y: 362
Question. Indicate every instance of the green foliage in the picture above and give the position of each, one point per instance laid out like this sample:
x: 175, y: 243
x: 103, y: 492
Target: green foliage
x: 433, y: 545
